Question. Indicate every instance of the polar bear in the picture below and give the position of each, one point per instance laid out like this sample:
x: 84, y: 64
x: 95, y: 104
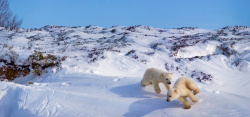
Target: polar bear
x: 155, y: 76
x: 184, y: 87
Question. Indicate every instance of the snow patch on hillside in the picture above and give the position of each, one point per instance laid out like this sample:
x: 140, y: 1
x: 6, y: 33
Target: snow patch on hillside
x: 200, y: 49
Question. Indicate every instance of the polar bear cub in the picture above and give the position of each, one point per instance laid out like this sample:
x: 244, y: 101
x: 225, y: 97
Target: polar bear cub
x: 155, y: 76
x: 183, y: 88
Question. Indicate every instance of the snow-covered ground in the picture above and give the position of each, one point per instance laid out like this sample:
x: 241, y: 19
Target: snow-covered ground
x: 103, y: 69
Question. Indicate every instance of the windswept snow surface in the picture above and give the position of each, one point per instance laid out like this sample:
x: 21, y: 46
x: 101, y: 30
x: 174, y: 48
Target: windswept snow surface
x: 104, y: 67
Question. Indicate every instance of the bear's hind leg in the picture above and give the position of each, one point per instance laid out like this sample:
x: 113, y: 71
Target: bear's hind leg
x: 192, y: 97
x: 193, y: 87
x: 196, y: 91
x: 144, y: 83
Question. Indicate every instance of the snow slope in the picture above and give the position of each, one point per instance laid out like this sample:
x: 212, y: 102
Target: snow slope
x: 102, y: 73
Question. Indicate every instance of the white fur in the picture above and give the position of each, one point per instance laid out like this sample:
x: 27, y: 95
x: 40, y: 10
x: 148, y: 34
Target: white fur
x: 155, y: 76
x: 183, y: 88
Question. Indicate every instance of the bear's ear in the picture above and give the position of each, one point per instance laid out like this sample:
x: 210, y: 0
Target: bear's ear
x: 171, y: 73
x: 163, y: 74
x: 175, y: 91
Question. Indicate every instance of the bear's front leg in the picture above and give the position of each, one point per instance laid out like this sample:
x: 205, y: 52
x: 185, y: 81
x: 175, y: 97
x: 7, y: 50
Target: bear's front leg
x: 184, y: 101
x: 156, y: 87
x: 168, y: 86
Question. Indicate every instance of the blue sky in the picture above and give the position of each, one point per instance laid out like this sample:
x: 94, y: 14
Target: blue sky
x: 207, y: 14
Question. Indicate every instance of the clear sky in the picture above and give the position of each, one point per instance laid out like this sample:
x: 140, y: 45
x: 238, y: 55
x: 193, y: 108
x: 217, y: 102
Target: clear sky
x: 207, y: 14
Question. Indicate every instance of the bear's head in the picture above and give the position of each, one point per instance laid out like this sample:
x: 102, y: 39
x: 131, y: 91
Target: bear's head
x: 173, y: 94
x: 167, y: 77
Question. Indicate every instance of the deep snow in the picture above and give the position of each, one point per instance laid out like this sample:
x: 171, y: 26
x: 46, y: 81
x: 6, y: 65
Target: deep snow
x: 109, y: 86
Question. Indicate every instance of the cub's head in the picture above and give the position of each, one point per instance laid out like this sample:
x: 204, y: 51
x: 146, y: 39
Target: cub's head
x: 173, y: 94
x: 167, y: 77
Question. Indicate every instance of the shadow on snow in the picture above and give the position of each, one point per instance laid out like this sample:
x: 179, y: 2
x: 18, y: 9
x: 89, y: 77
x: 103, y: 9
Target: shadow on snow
x: 147, y: 104
x: 9, y: 104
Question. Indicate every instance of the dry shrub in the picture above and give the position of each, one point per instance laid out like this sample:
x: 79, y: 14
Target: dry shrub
x: 10, y: 71
x: 40, y: 62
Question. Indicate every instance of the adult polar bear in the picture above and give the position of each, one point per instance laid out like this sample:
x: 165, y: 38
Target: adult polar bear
x: 183, y: 88
x: 155, y: 76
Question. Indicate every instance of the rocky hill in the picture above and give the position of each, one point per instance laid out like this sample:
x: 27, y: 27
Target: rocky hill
x: 95, y: 71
